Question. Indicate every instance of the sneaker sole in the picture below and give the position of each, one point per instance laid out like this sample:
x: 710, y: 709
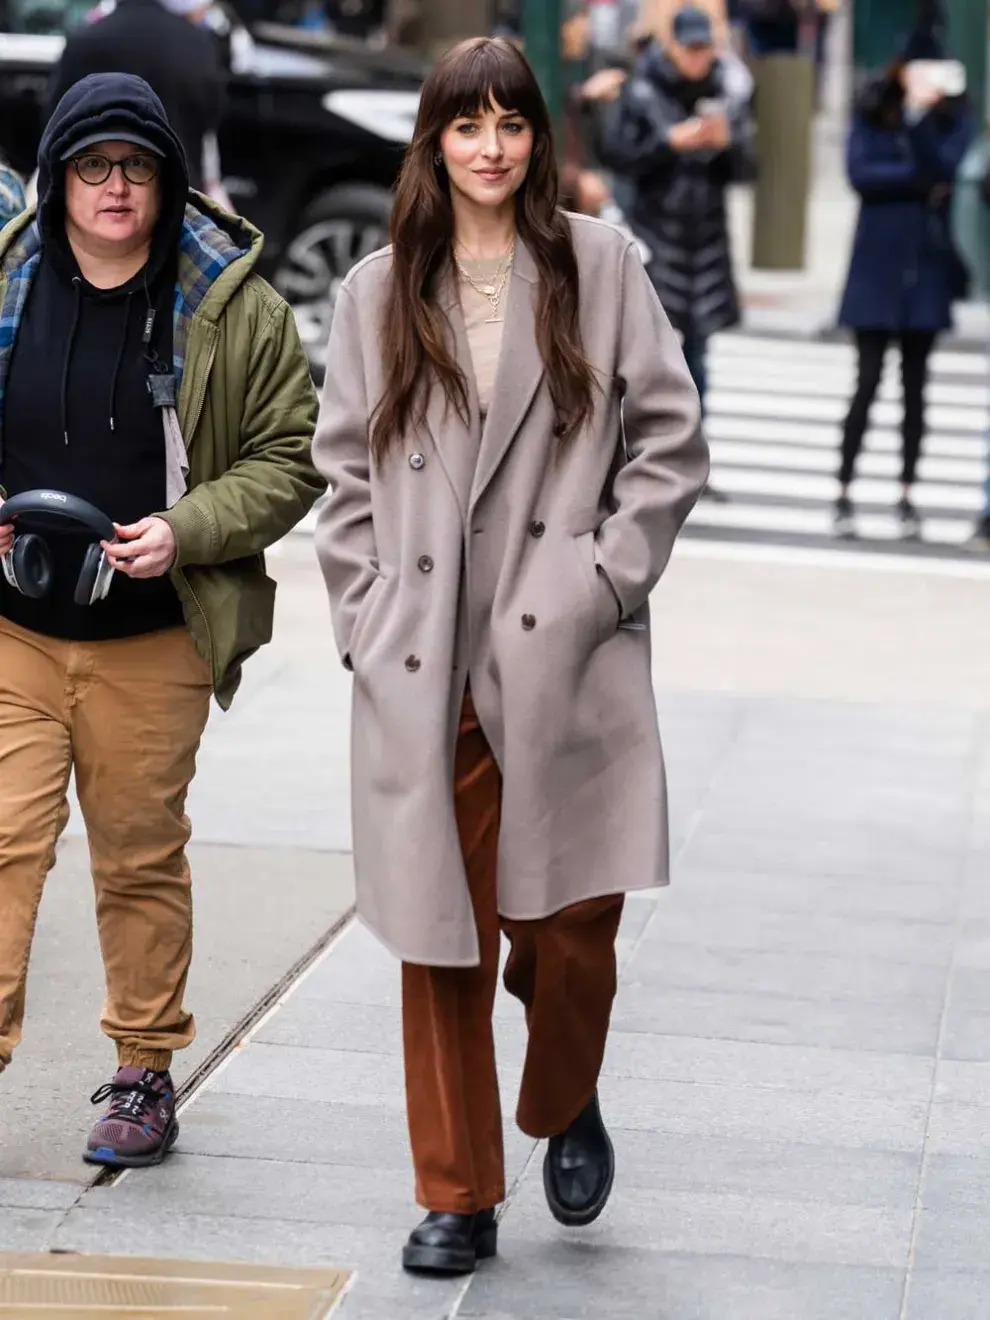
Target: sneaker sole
x: 108, y: 1157
x: 448, y: 1260
x: 579, y: 1218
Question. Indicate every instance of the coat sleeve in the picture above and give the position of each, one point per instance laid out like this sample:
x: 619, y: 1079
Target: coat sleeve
x: 738, y: 163
x: 939, y: 155
x: 273, y: 484
x: 667, y: 456
x: 345, y: 534
x: 633, y: 132
x: 876, y: 174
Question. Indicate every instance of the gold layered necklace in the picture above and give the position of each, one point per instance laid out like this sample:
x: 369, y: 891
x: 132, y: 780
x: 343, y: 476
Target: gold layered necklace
x: 494, y: 288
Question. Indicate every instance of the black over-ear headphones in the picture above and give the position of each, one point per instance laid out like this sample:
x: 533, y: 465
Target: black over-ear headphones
x: 28, y: 566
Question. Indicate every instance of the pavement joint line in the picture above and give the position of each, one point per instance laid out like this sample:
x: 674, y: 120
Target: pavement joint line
x: 338, y: 1302
x: 460, y: 1298
x: 699, y: 547
x: 979, y: 742
x: 248, y: 1027
x: 654, y: 897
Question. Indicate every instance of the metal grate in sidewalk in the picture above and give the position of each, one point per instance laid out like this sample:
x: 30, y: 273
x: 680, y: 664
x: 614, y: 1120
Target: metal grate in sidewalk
x: 72, y: 1287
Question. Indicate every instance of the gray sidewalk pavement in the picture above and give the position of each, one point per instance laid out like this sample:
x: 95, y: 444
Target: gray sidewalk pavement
x: 798, y: 1075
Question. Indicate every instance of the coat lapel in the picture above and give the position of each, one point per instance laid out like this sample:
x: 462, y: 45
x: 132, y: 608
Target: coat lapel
x: 520, y: 370
x: 456, y: 442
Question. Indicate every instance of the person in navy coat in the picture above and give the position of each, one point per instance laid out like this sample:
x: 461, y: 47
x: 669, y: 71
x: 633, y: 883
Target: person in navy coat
x: 904, y: 148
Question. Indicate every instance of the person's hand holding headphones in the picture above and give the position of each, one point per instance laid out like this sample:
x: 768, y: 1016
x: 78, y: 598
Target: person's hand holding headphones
x: 145, y: 549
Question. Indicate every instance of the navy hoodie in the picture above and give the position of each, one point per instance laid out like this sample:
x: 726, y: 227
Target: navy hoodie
x: 78, y: 415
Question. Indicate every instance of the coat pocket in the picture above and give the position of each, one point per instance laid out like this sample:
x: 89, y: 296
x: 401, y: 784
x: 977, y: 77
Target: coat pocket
x: 604, y: 604
x: 365, y: 611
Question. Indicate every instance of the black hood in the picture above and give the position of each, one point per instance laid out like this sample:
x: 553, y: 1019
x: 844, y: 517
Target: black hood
x: 113, y: 101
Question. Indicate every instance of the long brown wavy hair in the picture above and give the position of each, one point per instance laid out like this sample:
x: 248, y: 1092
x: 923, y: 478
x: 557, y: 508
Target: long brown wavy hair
x: 415, y: 343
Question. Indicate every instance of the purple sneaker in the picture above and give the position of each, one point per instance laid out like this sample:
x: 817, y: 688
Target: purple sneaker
x: 140, y: 1127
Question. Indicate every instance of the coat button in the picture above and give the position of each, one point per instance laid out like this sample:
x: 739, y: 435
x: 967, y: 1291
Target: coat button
x: 413, y: 663
x: 417, y: 461
x: 537, y: 528
x: 425, y: 564
x: 529, y: 622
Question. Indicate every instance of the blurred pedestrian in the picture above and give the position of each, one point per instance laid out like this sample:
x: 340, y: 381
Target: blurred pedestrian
x: 786, y: 27
x: 489, y: 553
x: 905, y: 146
x: 682, y: 139
x: 980, y: 539
x: 166, y: 43
x: 132, y: 324
x: 11, y: 193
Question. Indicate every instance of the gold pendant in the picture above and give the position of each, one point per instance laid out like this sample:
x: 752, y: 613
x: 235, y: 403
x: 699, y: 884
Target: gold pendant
x: 488, y: 290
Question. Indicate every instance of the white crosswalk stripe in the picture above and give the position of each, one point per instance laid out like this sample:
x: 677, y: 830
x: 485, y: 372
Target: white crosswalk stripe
x: 775, y: 410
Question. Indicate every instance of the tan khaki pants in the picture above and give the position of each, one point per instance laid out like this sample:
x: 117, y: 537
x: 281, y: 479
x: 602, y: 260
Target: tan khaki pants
x: 128, y: 717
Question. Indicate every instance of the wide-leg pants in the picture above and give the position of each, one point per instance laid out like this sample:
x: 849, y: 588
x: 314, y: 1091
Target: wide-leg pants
x: 563, y: 970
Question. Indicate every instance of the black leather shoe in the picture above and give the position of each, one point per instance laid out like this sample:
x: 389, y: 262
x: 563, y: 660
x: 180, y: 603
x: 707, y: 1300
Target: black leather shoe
x: 579, y: 1169
x: 451, y: 1244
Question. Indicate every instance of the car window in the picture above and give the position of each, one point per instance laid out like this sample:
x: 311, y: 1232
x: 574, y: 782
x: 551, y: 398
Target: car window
x: 43, y: 17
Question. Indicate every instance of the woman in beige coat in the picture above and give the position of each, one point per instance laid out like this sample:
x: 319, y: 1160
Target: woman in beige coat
x: 512, y: 442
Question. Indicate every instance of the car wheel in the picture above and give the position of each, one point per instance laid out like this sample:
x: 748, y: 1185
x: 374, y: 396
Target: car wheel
x: 335, y: 232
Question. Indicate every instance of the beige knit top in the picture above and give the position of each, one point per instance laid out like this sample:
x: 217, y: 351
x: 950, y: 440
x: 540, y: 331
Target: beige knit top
x: 484, y: 335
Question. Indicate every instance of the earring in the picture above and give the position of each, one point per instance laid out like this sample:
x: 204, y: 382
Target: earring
x: 438, y: 158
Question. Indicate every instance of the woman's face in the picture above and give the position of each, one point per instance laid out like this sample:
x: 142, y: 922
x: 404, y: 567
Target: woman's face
x: 115, y: 214
x: 487, y: 155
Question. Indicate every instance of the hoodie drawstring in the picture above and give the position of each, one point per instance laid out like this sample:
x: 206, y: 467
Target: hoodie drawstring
x: 120, y: 359
x: 77, y: 285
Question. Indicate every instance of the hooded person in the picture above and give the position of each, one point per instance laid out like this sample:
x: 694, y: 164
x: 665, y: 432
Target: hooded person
x: 153, y: 389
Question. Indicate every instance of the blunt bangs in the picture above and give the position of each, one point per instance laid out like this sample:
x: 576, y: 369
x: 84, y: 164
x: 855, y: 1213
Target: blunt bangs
x: 478, y: 77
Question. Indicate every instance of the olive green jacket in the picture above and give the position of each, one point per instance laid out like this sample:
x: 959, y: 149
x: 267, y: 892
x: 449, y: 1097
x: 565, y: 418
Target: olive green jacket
x: 247, y: 409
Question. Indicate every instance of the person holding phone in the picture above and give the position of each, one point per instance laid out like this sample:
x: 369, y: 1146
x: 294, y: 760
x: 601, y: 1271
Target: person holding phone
x: 905, y: 146
x: 681, y: 133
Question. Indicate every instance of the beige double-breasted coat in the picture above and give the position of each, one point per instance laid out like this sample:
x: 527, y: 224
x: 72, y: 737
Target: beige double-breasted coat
x: 479, y: 556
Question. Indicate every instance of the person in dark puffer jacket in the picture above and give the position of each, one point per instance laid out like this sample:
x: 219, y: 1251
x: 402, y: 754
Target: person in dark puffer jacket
x: 682, y: 139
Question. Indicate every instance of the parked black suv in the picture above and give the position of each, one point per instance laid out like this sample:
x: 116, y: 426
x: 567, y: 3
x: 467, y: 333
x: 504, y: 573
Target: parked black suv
x: 310, y: 144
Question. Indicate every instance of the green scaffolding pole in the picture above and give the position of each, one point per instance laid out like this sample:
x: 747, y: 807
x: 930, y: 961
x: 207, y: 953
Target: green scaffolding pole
x: 542, y: 21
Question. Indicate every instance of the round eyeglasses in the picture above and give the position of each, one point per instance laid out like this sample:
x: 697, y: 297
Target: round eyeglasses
x: 95, y: 169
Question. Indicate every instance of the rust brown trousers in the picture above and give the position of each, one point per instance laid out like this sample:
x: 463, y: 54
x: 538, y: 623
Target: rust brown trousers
x: 563, y: 970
